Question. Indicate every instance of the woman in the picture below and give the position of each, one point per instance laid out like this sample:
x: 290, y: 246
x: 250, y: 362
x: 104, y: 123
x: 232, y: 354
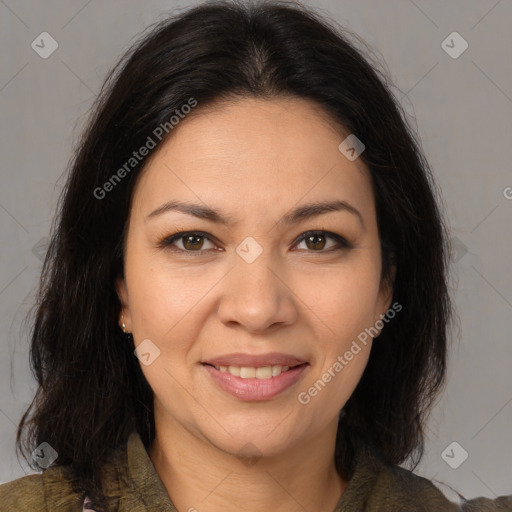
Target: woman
x: 244, y: 303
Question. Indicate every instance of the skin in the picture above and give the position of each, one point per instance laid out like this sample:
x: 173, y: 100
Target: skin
x: 254, y: 160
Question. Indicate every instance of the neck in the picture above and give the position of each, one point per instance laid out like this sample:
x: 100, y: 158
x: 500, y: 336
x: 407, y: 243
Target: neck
x: 199, y: 476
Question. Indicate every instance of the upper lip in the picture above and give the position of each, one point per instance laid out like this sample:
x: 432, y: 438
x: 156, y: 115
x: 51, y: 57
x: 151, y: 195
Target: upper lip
x: 255, y: 361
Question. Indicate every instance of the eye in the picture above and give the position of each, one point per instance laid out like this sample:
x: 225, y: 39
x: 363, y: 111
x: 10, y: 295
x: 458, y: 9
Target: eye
x: 191, y: 241
x: 194, y: 242
x: 316, y: 241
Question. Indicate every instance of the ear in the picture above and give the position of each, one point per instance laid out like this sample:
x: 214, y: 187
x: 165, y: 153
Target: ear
x: 385, y: 296
x: 122, y: 293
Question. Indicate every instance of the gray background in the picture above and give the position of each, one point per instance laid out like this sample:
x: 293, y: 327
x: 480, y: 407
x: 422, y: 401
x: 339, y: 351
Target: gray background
x: 463, y: 113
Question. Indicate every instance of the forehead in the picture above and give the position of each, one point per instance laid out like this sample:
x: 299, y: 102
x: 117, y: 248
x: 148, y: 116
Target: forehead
x: 254, y: 152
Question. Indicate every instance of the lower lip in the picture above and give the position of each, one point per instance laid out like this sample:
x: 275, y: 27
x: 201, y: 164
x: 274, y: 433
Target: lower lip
x: 255, y: 390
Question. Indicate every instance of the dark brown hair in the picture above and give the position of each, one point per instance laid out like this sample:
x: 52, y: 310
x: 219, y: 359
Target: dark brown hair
x: 91, y: 391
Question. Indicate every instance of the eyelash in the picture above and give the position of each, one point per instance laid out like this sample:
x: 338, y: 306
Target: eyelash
x: 167, y: 242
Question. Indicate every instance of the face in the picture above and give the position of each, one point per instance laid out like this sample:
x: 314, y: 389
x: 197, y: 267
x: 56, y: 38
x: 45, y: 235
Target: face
x: 222, y: 298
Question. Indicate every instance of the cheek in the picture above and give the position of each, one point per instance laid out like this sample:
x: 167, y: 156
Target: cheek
x: 341, y: 306
x: 161, y: 296
x: 342, y: 301
x: 171, y: 307
x: 342, y: 347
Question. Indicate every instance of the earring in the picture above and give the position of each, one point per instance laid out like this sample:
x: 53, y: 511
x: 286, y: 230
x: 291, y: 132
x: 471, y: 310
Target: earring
x: 123, y: 324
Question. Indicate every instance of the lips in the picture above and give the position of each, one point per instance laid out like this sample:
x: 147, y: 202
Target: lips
x: 254, y: 389
x: 255, y: 360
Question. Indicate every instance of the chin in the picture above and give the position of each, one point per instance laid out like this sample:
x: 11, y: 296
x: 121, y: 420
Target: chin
x: 253, y: 443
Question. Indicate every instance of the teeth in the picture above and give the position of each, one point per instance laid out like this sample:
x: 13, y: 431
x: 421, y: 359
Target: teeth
x: 264, y: 373
x: 247, y: 372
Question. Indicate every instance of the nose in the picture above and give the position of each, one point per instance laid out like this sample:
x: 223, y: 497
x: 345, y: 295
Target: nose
x: 258, y: 296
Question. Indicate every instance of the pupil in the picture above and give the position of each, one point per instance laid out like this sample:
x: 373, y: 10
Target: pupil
x: 194, y: 244
x: 312, y: 237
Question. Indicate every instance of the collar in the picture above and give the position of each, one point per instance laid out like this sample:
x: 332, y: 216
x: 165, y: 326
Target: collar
x: 147, y: 487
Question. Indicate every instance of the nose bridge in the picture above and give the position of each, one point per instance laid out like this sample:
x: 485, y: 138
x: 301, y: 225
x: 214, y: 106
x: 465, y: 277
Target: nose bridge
x: 255, y: 295
x: 253, y: 269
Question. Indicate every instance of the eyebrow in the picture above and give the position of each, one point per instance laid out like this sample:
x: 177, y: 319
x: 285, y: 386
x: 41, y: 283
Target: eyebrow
x: 297, y: 215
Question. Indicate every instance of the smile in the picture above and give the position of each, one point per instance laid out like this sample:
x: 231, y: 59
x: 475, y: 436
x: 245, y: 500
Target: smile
x: 249, y: 372
x: 255, y: 384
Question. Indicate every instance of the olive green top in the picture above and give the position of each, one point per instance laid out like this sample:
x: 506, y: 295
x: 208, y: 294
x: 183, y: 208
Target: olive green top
x: 132, y: 485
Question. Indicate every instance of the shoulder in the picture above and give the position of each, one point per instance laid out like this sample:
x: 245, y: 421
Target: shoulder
x: 401, y: 490
x: 42, y: 492
x: 25, y: 493
x: 56, y: 490
x: 398, y: 489
x: 395, y: 489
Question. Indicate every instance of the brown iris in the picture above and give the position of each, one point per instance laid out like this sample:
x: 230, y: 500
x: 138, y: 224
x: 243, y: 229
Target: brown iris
x: 197, y: 242
x: 310, y: 238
